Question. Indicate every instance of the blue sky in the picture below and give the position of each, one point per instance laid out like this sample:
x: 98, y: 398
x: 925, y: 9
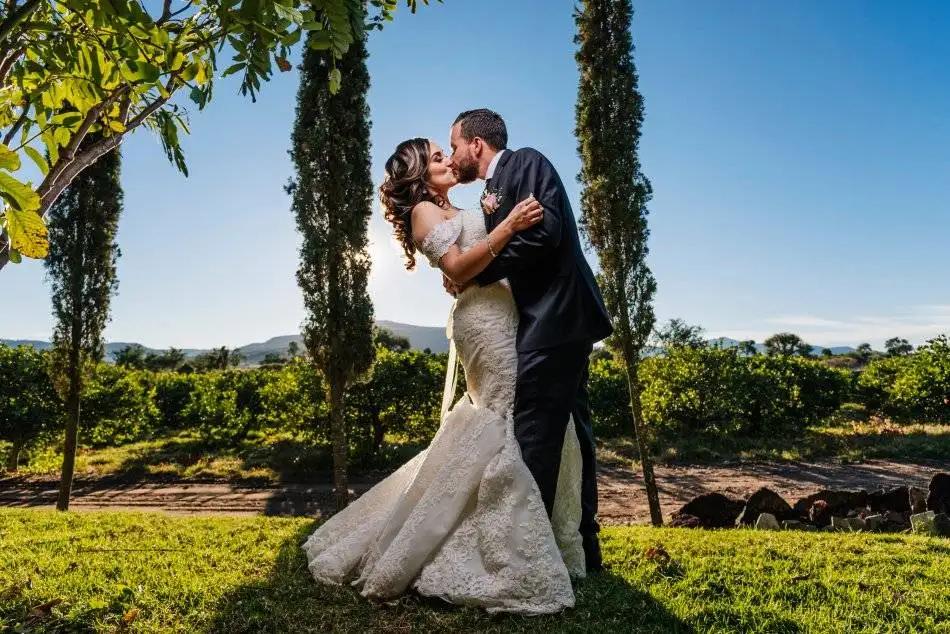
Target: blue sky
x: 799, y: 152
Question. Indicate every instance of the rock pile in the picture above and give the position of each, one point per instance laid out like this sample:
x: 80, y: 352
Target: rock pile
x: 900, y: 508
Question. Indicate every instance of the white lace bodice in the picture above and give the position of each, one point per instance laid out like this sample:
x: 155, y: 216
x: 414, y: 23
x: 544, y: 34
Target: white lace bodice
x: 472, y: 225
x: 465, y: 229
x: 441, y: 238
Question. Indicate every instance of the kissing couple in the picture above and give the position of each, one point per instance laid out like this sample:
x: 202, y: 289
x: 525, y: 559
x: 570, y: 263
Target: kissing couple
x: 499, y: 511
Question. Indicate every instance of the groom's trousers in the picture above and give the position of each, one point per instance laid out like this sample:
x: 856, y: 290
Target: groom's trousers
x: 552, y: 387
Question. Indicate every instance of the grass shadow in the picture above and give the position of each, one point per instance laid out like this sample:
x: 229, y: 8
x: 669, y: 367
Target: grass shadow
x: 842, y: 442
x: 258, y: 461
x: 288, y: 600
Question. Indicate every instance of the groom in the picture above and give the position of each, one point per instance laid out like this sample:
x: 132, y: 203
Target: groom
x: 561, y: 310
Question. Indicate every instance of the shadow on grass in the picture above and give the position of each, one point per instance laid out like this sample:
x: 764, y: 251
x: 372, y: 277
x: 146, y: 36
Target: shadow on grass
x: 253, y: 462
x: 915, y: 443
x: 288, y: 600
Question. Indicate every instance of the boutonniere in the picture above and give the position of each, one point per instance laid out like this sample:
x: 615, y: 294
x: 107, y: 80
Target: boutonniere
x: 490, y: 202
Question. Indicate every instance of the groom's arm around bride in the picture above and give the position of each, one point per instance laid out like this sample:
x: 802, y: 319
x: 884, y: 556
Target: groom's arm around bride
x: 530, y: 173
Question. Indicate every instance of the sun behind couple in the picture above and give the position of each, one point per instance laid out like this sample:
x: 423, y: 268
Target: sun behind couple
x: 499, y: 510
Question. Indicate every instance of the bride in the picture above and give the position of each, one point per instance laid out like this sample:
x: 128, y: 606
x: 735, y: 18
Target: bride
x: 463, y: 520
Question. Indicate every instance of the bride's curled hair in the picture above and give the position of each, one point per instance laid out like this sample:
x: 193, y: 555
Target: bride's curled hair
x: 404, y: 186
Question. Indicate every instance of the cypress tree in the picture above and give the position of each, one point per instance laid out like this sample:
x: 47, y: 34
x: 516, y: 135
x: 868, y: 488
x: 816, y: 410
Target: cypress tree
x: 609, y: 116
x: 332, y: 201
x: 81, y: 268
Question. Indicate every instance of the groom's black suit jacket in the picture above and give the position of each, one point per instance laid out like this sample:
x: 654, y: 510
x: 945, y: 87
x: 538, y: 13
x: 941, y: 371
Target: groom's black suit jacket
x: 558, y: 299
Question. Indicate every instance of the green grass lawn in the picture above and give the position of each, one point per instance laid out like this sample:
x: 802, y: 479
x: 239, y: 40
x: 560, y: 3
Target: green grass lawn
x: 166, y: 574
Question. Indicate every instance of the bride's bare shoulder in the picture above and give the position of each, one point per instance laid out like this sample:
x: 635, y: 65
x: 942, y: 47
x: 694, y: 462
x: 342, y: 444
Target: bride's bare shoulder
x: 425, y: 216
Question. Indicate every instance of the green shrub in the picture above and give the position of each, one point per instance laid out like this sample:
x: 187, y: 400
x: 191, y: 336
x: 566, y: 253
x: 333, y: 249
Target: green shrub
x: 910, y: 388
x: 609, y: 399
x: 213, y: 409
x: 402, y: 395
x: 117, y: 407
x: 30, y: 410
x: 292, y: 399
x: 717, y: 392
x: 172, y: 392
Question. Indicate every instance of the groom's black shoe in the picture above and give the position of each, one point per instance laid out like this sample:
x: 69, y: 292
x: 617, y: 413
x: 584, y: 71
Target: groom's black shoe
x: 592, y: 559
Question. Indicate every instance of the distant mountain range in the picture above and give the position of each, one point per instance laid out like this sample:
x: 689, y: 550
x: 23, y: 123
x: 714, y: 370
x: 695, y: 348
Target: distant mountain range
x: 726, y: 342
x: 420, y: 338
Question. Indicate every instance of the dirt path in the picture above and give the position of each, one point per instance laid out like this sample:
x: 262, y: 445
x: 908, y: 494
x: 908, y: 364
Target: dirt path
x: 622, y: 499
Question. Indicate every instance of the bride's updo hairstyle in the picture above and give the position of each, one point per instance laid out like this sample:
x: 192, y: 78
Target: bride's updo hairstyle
x: 404, y: 186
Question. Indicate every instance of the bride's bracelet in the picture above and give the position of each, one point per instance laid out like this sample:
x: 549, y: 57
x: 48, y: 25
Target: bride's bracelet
x: 491, y: 249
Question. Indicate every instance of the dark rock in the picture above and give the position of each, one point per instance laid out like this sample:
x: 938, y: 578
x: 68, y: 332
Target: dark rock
x: 894, y: 522
x: 819, y: 513
x: 834, y: 503
x: 765, y: 501
x: 684, y: 520
x: 711, y: 510
x: 938, y: 496
x: 894, y: 499
x: 917, y: 498
x: 942, y: 525
x: 848, y: 524
x: 923, y: 523
x: 796, y: 525
x: 767, y: 522
x: 874, y: 522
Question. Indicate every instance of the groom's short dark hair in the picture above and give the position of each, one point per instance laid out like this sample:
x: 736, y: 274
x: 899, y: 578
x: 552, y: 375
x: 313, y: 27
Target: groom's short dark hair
x: 485, y: 124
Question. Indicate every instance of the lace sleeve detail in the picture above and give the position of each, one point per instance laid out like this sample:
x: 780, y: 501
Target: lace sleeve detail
x: 440, y: 239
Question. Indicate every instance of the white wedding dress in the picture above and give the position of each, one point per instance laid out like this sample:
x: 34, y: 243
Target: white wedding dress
x: 464, y: 520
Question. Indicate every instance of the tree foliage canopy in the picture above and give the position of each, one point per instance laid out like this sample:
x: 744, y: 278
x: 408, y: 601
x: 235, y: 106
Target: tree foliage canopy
x: 69, y: 68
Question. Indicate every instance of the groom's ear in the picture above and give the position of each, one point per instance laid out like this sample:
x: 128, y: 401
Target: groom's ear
x: 478, y: 147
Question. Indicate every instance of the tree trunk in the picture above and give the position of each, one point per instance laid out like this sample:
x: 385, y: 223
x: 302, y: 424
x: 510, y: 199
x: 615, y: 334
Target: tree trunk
x: 5, y: 247
x: 72, y: 422
x: 379, y: 434
x: 13, y: 461
x: 640, y: 433
x: 73, y: 369
x: 340, y: 448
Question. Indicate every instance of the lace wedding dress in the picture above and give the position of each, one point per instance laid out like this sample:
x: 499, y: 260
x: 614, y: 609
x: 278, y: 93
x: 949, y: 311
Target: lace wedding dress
x: 464, y: 520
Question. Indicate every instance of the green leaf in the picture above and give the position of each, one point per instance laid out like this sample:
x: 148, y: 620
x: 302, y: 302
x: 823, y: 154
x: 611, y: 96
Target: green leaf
x: 291, y: 38
x: 15, y: 256
x: 190, y: 72
x: 9, y: 159
x: 38, y: 158
x: 233, y: 68
x: 20, y: 195
x: 319, y: 40
x: 288, y: 13
x: 27, y: 233
x: 335, y: 79
x: 136, y: 71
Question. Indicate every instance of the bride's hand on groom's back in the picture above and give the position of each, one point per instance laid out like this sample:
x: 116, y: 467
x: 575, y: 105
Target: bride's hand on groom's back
x: 454, y: 288
x: 525, y: 214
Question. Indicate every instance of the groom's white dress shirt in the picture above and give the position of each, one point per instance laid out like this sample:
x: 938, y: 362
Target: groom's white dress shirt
x: 494, y: 163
